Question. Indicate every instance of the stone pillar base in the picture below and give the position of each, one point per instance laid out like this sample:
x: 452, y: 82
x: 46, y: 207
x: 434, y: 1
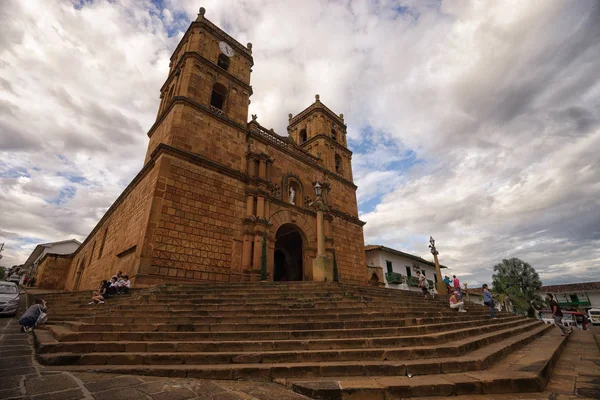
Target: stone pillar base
x: 322, y: 269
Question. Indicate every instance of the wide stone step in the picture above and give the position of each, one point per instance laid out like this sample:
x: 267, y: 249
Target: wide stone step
x: 275, y: 345
x: 525, y: 371
x: 65, y: 334
x: 182, y: 353
x: 330, y: 315
x: 240, y: 309
x: 306, y: 302
x: 266, y: 371
x: 190, y: 327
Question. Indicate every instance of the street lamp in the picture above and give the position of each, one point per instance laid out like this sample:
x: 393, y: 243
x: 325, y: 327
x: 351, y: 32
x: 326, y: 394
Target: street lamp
x: 318, y: 189
x: 440, y: 284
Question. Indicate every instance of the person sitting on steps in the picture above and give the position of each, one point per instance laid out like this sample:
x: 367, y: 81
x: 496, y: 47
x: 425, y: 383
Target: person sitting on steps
x: 456, y: 302
x: 98, y: 296
x: 123, y: 284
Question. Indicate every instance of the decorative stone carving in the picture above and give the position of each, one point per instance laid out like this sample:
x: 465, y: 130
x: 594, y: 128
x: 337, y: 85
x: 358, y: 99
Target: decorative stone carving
x: 292, y: 195
x: 276, y: 191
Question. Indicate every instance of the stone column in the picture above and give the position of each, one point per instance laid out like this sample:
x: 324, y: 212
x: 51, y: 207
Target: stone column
x: 260, y: 207
x: 258, y: 238
x: 441, y: 286
x: 247, y: 252
x: 249, y: 205
x: 320, y: 234
x: 251, y: 167
x: 262, y: 169
x: 322, y: 266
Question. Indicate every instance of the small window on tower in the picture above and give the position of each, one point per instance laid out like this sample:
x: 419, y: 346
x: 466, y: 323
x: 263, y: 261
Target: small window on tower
x: 334, y: 135
x: 338, y: 164
x: 217, y: 99
x: 303, y: 136
x: 223, y: 61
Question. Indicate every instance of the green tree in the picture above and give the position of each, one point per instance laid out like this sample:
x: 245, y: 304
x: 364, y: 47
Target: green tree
x: 516, y: 281
x: 2, y: 272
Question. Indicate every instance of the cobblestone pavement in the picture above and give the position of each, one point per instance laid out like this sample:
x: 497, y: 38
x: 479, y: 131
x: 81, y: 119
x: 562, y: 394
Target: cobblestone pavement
x: 577, y: 373
x: 21, y: 377
x: 576, y: 376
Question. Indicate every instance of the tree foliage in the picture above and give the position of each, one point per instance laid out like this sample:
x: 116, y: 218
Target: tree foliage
x: 2, y: 272
x: 517, y: 283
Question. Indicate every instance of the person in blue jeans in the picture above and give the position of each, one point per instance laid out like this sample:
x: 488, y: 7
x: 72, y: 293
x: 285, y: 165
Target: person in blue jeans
x: 488, y: 300
x: 34, y: 316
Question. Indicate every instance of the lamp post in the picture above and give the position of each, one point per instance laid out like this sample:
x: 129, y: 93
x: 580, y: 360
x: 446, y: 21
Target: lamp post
x: 440, y: 283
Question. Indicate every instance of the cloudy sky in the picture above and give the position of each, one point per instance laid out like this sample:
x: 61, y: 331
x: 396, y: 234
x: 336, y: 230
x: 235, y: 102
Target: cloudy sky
x: 475, y: 122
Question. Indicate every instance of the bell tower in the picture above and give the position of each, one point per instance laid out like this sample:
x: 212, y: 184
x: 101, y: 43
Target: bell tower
x: 321, y: 132
x: 205, y: 98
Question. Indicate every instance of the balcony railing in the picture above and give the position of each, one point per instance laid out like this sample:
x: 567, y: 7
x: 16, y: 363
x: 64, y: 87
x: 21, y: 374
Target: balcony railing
x: 393, y: 277
x: 574, y: 303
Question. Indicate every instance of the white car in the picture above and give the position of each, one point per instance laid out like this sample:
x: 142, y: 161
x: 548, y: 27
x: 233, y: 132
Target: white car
x: 594, y: 315
x: 16, y: 279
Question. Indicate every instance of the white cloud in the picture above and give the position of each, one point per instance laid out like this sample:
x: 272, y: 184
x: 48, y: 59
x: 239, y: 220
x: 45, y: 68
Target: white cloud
x: 475, y: 122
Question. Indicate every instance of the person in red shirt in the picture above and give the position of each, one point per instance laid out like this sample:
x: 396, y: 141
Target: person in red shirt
x: 456, y: 284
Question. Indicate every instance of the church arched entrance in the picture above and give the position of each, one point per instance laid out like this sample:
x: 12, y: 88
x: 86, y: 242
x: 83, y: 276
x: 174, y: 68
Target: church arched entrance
x: 288, y: 254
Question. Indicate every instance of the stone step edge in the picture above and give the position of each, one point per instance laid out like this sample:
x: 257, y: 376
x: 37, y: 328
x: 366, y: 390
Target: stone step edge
x: 412, y: 321
x: 440, y: 337
x: 60, y: 330
x: 458, y: 384
x: 261, y: 318
x: 255, y: 372
x: 458, y: 349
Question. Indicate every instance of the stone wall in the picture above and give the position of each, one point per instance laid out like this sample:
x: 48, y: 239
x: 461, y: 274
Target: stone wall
x: 350, y: 251
x: 119, y: 233
x: 199, y: 219
x: 53, y: 270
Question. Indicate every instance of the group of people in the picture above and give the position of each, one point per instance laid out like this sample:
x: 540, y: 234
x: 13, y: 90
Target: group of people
x: 29, y: 282
x: 119, y: 284
x: 456, y: 298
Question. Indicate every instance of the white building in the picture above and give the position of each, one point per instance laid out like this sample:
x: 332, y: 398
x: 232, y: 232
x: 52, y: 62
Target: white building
x: 575, y: 296
x: 395, y: 265
x: 63, y: 247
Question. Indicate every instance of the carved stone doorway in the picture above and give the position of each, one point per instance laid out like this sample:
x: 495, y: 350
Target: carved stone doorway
x: 288, y: 254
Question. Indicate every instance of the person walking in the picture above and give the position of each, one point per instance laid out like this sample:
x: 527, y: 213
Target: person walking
x: 456, y: 284
x: 557, y: 315
x: 488, y: 300
x: 423, y: 284
x: 446, y: 281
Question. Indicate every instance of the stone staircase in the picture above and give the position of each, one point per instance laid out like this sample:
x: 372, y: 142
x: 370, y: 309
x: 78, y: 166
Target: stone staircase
x: 324, y: 340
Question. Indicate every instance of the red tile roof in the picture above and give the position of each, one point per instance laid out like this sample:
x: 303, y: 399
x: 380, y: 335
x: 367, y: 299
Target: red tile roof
x: 371, y: 247
x: 572, y: 287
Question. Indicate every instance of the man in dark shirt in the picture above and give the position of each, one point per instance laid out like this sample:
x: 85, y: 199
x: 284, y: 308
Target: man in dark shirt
x: 557, y: 314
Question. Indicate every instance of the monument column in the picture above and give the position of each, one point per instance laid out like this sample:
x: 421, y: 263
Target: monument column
x: 322, y: 266
x: 441, y: 286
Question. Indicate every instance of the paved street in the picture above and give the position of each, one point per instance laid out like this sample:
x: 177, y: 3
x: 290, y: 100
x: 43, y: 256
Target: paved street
x: 21, y: 377
x: 576, y: 376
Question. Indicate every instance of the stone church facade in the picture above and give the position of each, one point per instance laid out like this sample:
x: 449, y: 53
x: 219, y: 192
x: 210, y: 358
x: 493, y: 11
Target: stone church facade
x: 213, y: 182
